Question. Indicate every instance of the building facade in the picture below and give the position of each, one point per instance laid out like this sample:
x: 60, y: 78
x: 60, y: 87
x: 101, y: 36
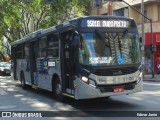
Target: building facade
x: 151, y: 10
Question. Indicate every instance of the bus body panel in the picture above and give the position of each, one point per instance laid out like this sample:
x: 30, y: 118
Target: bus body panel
x: 44, y: 81
x: 42, y: 74
x: 114, y: 80
x: 18, y: 69
x: 26, y: 71
x: 23, y: 68
x: 85, y: 91
x: 47, y: 67
x: 45, y: 73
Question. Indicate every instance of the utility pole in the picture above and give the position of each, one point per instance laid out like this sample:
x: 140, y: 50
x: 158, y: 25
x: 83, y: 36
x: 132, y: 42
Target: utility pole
x: 143, y: 39
x: 152, y: 51
x: 98, y: 5
x: 109, y: 8
x: 98, y: 12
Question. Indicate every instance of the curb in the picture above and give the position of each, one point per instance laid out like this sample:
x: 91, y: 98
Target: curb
x: 155, y: 80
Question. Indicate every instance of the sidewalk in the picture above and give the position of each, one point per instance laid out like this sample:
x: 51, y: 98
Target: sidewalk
x: 148, y: 77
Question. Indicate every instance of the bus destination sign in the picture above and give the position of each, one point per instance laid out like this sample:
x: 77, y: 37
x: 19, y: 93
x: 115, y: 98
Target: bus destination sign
x: 105, y: 23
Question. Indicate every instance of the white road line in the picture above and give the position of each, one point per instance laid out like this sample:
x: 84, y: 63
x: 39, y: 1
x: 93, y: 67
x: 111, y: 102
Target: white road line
x: 2, y: 92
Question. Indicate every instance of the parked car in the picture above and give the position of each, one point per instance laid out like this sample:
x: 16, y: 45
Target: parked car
x: 5, y: 68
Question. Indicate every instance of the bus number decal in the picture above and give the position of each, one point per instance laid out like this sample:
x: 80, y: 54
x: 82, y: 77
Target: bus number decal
x: 107, y: 23
x: 100, y: 60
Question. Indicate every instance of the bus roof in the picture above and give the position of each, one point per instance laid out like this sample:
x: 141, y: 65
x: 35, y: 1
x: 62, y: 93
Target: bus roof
x: 73, y: 22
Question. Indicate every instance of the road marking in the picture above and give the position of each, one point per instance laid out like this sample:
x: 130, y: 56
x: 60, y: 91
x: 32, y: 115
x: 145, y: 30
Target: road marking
x: 151, y: 83
x: 2, y: 107
x: 2, y: 92
x: 157, y: 92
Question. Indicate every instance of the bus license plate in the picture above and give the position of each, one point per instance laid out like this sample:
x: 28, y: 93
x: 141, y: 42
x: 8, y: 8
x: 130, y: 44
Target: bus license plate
x: 118, y: 89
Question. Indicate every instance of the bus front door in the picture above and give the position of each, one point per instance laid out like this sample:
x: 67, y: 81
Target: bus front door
x: 67, y: 63
x: 33, y: 68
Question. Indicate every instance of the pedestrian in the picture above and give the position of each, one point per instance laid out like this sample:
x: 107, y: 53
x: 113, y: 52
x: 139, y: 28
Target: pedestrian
x: 158, y: 64
x: 149, y: 65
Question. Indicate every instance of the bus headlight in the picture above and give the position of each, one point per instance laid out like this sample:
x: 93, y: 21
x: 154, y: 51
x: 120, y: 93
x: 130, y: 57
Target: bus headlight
x: 88, y: 81
x: 92, y: 83
x: 84, y: 79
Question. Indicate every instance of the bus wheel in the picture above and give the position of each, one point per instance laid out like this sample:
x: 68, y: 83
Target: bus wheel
x: 23, y: 84
x: 58, y: 90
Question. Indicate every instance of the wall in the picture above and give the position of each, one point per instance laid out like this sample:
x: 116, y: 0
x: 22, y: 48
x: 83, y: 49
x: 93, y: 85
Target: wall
x: 155, y: 27
x: 135, y: 15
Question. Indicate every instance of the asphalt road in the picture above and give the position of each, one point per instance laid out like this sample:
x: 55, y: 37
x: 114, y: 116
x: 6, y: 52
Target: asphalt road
x: 14, y: 98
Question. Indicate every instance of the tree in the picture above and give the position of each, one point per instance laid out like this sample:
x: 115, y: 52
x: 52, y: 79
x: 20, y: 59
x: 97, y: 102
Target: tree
x: 63, y: 10
x: 20, y: 17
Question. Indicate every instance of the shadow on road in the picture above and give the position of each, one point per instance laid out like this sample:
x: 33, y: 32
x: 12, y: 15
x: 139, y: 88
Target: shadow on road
x: 43, y: 100
x: 90, y: 104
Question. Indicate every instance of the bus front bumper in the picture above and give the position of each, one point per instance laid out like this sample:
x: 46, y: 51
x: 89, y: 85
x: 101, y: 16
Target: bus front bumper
x: 84, y: 91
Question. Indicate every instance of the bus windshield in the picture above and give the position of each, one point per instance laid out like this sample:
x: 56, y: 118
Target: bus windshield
x: 107, y: 48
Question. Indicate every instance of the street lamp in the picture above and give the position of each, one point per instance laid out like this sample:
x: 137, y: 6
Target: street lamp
x: 98, y: 4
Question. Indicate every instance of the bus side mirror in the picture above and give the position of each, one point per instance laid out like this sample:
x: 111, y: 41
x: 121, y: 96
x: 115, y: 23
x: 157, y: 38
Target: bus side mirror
x: 76, y: 41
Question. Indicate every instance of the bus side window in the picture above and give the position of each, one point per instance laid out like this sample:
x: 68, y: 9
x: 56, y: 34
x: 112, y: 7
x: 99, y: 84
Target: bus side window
x: 20, y: 51
x: 26, y: 50
x: 42, y: 47
x: 53, y: 46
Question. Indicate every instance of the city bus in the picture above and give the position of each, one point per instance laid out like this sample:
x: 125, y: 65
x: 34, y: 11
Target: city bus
x: 83, y: 58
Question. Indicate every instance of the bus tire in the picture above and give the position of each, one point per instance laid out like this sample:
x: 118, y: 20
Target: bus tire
x: 23, y: 83
x: 58, y: 90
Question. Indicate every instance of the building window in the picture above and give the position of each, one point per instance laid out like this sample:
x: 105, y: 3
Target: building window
x: 97, y: 3
x: 121, y: 12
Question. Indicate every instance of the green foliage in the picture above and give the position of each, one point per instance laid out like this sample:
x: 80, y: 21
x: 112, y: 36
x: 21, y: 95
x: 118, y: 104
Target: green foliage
x: 20, y: 17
